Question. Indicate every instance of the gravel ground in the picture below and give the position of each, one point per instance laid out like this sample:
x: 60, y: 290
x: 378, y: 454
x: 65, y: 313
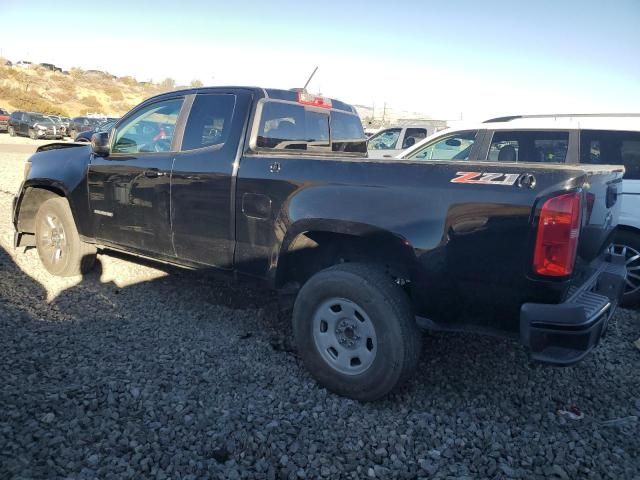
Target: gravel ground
x: 140, y: 371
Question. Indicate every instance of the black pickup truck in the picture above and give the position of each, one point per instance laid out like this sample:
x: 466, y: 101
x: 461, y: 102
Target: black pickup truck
x: 276, y: 184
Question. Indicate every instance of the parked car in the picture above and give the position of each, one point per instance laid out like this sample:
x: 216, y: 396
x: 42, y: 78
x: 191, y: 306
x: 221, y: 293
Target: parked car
x: 4, y: 120
x: 276, y: 185
x: 102, y: 127
x: 63, y: 122
x: 33, y: 125
x: 82, y: 124
x: 60, y: 126
x: 558, y: 139
x: 389, y: 142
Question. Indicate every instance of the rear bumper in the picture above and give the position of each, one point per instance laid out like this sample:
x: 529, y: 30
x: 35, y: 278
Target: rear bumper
x: 565, y: 333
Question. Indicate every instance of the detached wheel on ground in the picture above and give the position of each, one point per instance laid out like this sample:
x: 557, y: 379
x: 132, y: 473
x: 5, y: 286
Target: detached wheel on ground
x: 628, y: 244
x: 60, y: 249
x: 356, y: 331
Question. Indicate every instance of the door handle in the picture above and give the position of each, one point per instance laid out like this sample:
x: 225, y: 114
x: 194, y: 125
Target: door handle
x: 275, y: 167
x: 153, y: 173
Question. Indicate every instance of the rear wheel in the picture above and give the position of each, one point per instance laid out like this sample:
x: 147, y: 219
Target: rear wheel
x: 628, y: 244
x: 355, y: 331
x: 60, y: 249
x: 12, y: 132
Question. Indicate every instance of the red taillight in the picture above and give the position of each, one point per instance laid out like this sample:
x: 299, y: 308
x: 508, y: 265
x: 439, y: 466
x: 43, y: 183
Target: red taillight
x: 313, y: 100
x: 557, y: 237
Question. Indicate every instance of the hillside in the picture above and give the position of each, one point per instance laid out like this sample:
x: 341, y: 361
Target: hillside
x: 76, y: 92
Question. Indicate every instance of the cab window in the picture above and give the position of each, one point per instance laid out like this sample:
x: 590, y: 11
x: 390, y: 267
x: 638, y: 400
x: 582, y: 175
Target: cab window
x: 529, y: 146
x: 385, y: 140
x: 455, y: 146
x: 209, y: 121
x: 347, y: 134
x: 151, y: 129
x: 413, y: 136
x: 289, y: 126
x: 612, y: 148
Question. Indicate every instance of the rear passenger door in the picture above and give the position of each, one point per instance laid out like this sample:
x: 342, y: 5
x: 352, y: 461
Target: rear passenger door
x: 202, y: 178
x: 23, y: 126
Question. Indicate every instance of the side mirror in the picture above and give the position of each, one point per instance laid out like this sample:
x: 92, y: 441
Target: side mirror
x: 100, y: 144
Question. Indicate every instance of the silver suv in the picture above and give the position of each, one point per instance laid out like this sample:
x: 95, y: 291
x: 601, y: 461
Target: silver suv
x: 580, y: 138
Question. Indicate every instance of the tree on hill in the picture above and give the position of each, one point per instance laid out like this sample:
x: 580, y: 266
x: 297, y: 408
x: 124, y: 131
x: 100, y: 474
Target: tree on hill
x: 196, y: 83
x: 168, y: 84
x: 91, y: 102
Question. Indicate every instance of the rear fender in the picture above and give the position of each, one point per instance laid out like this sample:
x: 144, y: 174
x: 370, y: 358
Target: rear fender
x: 339, y: 241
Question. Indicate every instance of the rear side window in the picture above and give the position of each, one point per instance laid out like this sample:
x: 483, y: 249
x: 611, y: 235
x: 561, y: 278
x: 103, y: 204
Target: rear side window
x: 529, y: 146
x: 209, y: 121
x: 612, y: 148
x: 289, y: 126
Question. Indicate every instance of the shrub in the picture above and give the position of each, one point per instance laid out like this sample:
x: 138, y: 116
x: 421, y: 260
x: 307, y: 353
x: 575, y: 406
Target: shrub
x: 91, y: 102
x: 167, y: 84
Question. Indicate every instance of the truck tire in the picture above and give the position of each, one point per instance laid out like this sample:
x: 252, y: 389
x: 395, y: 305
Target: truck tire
x: 355, y: 331
x: 60, y: 249
x: 12, y: 132
x: 628, y: 244
x: 32, y: 134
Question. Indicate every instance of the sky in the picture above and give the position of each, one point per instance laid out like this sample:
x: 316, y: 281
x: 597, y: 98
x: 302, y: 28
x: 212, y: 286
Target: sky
x: 445, y: 59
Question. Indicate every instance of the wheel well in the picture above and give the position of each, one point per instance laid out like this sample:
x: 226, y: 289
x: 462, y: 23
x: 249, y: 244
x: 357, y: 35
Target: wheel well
x: 31, y: 200
x: 628, y: 228
x: 313, y: 251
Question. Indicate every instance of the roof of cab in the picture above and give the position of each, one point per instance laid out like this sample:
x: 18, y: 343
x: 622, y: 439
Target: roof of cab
x: 275, y: 93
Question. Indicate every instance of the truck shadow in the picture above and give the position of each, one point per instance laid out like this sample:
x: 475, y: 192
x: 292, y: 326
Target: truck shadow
x: 178, y: 354
x: 199, y: 304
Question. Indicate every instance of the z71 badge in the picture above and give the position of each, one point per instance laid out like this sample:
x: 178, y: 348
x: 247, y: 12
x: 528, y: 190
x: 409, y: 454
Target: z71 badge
x: 486, y: 178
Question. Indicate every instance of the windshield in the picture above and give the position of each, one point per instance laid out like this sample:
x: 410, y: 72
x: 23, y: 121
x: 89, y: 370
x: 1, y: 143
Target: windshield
x: 385, y: 140
x: 42, y: 120
x: 105, y: 127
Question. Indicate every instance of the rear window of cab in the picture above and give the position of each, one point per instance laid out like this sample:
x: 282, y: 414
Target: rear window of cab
x: 286, y: 126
